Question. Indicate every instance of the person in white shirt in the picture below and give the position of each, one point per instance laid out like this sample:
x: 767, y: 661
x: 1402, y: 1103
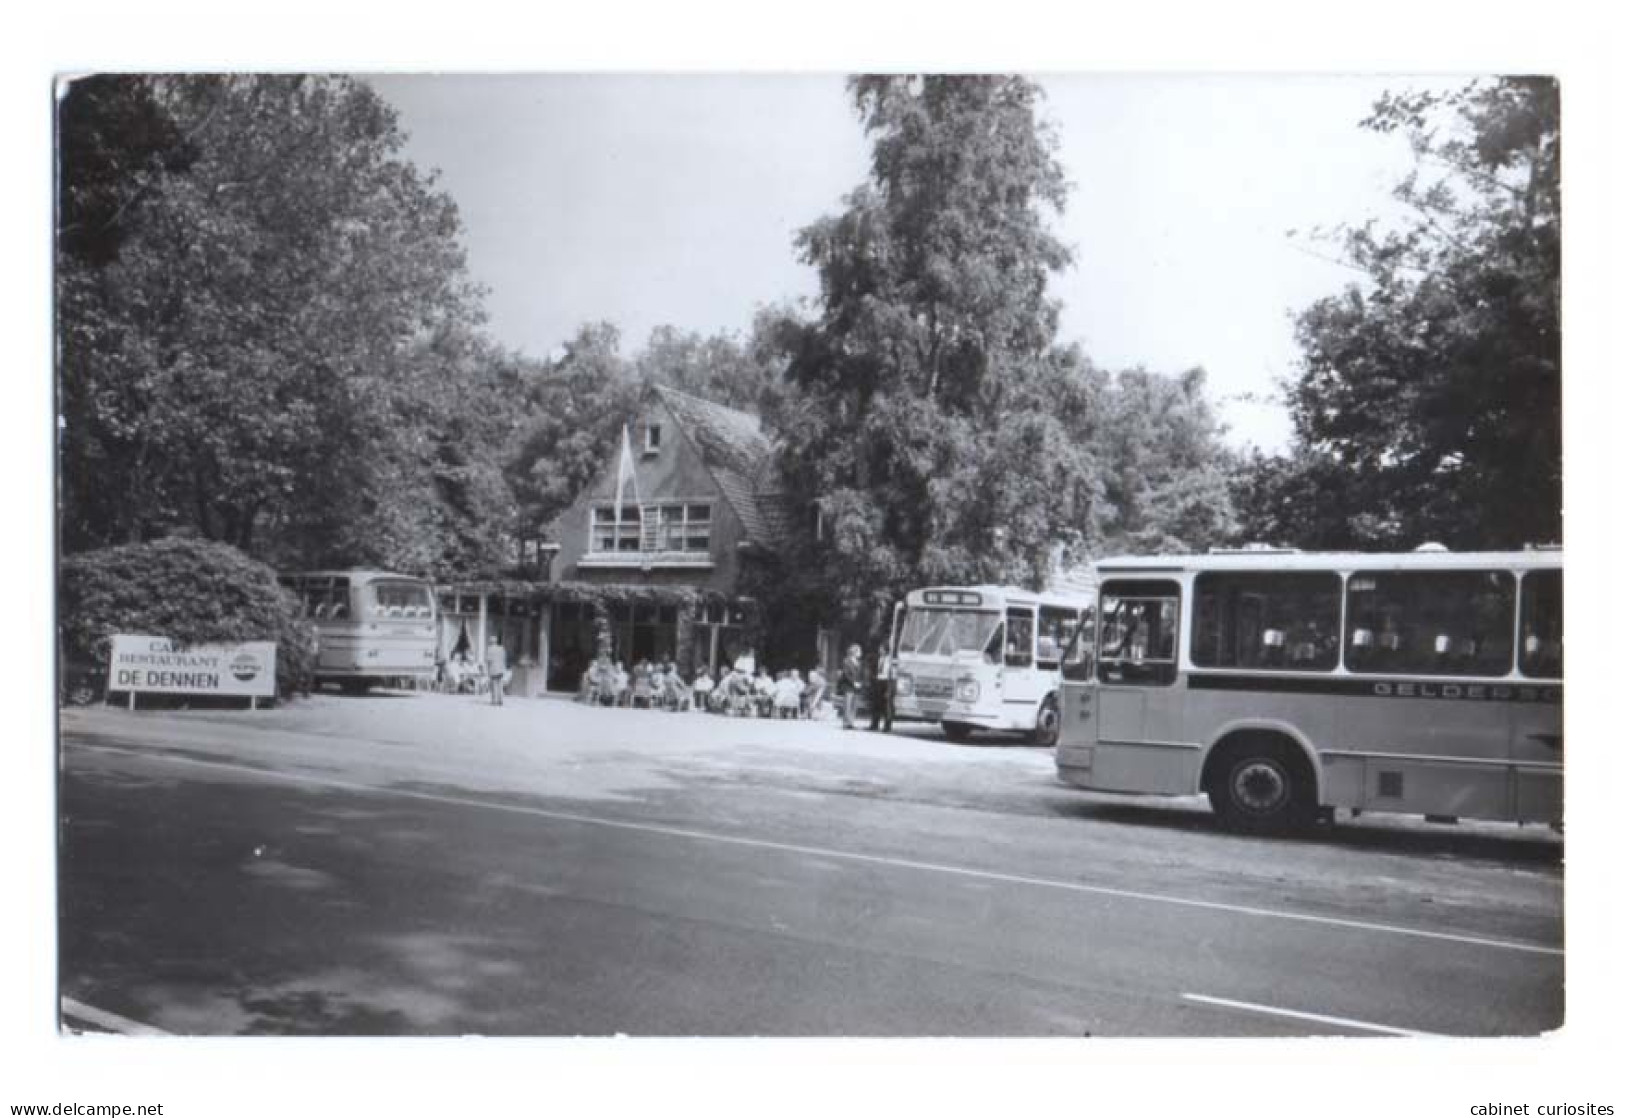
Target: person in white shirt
x: 703, y: 687
x: 786, y: 696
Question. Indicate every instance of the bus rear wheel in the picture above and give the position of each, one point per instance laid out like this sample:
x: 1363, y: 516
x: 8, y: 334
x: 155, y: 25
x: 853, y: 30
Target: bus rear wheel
x: 956, y: 731
x: 1262, y: 787
x: 1048, y: 729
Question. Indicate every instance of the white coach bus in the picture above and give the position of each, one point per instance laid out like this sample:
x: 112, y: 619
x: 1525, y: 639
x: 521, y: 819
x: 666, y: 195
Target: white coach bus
x: 984, y: 658
x: 1287, y: 685
x: 371, y: 626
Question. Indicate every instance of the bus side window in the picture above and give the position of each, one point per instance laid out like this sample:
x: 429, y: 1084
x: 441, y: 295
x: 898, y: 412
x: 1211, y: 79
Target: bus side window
x: 1018, y: 639
x: 1540, y: 644
x: 1430, y: 622
x: 1078, y: 662
x: 1055, y: 628
x: 1275, y: 621
x: 1139, y: 632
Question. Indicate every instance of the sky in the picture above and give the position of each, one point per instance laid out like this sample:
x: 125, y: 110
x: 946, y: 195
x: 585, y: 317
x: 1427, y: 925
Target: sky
x: 675, y: 199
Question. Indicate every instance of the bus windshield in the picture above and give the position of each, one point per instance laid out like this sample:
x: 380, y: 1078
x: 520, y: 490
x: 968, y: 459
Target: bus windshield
x: 944, y: 632
x: 392, y: 598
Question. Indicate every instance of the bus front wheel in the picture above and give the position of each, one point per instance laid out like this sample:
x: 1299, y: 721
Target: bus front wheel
x: 1048, y: 729
x: 956, y: 731
x: 1261, y: 787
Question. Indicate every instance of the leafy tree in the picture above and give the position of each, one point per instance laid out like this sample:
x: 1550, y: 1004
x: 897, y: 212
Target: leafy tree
x: 929, y: 407
x: 1433, y: 387
x: 115, y: 143
x: 1165, y: 469
x: 270, y: 338
x: 573, y: 409
x: 741, y: 373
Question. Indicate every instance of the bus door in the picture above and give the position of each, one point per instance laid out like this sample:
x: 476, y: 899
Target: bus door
x: 1137, y: 668
x: 1024, y: 685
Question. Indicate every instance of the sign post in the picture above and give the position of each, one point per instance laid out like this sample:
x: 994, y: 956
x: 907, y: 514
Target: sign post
x: 158, y: 666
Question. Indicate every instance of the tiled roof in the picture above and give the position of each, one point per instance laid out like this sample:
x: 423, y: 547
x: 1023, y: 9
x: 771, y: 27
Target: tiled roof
x: 739, y: 455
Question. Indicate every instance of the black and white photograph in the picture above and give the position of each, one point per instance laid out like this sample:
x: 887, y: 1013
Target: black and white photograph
x: 867, y: 554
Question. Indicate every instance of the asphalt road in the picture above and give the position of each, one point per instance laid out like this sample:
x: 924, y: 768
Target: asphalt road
x: 427, y: 865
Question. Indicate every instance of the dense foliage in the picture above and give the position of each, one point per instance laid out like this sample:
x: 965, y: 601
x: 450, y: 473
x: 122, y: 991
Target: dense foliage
x: 1428, y: 402
x: 267, y: 335
x: 1165, y: 468
x: 929, y: 407
x: 189, y: 590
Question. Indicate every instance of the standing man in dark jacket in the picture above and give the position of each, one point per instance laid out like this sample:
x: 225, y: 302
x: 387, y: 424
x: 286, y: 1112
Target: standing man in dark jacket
x: 881, y: 671
x: 847, y: 685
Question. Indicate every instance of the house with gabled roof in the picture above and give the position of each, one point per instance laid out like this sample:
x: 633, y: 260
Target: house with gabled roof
x: 707, y: 501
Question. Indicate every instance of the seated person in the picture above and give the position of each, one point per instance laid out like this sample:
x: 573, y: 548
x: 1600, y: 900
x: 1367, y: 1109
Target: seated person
x: 460, y: 674
x: 739, y: 693
x: 786, y: 696
x: 643, y: 687
x: 703, y: 687
x: 620, y: 686
x: 673, y: 691
x: 813, y: 696
x: 762, y: 693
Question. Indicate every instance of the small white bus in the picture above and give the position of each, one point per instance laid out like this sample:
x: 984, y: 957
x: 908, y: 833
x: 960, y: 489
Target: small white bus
x: 1288, y: 685
x: 984, y: 658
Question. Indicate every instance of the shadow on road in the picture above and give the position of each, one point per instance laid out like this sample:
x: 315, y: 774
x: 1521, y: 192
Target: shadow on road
x: 1379, y: 834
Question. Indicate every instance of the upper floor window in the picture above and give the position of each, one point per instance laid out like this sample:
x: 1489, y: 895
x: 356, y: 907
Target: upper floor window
x: 651, y: 438
x: 675, y: 526
x: 609, y: 534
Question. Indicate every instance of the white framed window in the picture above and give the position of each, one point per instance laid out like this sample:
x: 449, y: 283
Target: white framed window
x: 667, y: 527
x: 651, y: 438
x: 611, y: 535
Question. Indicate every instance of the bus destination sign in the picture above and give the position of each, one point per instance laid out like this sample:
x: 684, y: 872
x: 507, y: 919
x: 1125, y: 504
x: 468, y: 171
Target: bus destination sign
x: 952, y: 598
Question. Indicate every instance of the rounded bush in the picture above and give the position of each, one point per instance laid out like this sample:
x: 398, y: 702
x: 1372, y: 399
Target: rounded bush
x: 189, y: 590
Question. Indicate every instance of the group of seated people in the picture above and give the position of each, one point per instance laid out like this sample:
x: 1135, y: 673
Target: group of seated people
x: 461, y: 675
x: 746, y: 690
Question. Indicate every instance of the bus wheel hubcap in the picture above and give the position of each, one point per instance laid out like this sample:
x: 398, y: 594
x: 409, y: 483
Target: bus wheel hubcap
x: 1259, y: 786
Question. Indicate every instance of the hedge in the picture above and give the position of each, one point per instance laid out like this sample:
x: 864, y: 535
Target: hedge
x: 191, y: 591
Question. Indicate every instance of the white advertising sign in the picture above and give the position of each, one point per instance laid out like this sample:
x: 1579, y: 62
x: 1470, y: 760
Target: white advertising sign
x: 154, y: 664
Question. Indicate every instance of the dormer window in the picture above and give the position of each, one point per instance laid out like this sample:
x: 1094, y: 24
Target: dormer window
x: 651, y: 438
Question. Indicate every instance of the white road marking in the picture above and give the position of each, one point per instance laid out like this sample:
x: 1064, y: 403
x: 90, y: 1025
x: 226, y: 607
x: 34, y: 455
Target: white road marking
x: 843, y: 855
x: 104, y: 1019
x: 1298, y: 1015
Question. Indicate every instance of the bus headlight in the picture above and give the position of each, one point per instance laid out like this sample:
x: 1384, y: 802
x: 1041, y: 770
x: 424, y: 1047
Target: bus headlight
x: 905, y: 685
x: 968, y: 691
